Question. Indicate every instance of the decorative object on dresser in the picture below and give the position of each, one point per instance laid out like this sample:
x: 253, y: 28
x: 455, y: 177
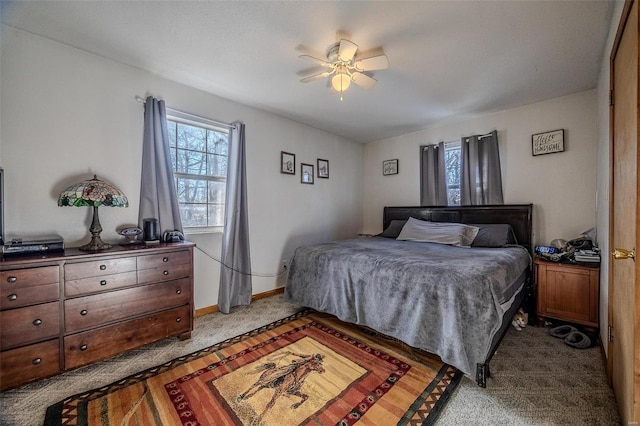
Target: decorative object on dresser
x: 567, y: 292
x: 93, y: 193
x: 60, y: 311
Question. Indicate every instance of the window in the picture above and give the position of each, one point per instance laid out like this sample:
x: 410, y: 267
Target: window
x: 199, y: 156
x: 452, y: 157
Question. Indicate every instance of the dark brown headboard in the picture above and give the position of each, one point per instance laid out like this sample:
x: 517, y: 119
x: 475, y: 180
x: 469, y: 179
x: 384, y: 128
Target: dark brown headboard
x: 517, y: 215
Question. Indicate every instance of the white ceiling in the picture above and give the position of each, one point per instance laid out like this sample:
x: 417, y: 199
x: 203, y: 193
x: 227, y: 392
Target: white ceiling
x: 448, y: 59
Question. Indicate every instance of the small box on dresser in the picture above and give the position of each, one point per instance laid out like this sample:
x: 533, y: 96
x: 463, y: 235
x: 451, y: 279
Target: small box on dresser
x: 568, y: 292
x: 64, y: 310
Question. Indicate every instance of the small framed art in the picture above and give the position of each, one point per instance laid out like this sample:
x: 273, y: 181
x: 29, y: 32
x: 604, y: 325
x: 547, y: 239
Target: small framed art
x: 547, y: 142
x: 306, y: 175
x: 390, y: 167
x: 323, y: 168
x: 287, y: 163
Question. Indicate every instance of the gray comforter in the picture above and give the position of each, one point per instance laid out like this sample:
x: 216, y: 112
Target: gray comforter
x: 443, y: 299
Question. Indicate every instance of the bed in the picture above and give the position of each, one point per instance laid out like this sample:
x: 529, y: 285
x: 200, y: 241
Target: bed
x: 455, y: 302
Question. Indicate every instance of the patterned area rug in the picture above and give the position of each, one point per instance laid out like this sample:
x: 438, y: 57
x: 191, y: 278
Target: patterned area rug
x: 309, y: 369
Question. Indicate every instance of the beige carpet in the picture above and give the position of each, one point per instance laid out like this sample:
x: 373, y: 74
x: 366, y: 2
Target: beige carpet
x: 537, y: 379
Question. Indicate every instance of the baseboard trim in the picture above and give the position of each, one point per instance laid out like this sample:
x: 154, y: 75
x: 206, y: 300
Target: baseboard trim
x: 211, y: 309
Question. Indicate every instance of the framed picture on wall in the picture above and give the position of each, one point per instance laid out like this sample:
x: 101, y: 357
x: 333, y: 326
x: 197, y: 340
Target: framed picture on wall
x: 547, y: 142
x: 287, y: 163
x: 390, y: 167
x: 306, y: 173
x: 323, y: 168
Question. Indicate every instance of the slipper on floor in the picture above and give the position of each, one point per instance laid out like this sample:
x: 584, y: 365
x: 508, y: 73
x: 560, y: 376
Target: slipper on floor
x: 578, y: 340
x: 562, y: 331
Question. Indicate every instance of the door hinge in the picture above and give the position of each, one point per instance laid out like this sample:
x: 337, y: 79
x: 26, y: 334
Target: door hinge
x: 610, y: 97
x: 610, y: 334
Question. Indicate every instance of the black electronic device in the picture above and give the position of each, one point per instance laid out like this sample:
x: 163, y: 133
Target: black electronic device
x: 44, y: 244
x: 173, y: 237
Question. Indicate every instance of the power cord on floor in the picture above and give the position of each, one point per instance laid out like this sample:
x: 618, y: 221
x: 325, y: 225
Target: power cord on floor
x: 255, y: 274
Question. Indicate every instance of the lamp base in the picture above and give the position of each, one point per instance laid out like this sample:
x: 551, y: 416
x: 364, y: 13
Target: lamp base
x: 95, y: 244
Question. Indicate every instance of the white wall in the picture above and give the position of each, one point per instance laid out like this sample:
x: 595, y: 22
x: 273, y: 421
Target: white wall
x: 603, y: 173
x: 68, y: 114
x: 561, y: 186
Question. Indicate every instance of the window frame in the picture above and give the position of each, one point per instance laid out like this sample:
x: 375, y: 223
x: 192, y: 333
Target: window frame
x: 451, y: 146
x: 203, y: 123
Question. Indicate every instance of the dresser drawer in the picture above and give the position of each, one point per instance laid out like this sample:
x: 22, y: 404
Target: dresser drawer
x: 22, y: 287
x: 101, y: 283
x: 25, y: 296
x: 164, y: 259
x: 31, y: 324
x: 168, y: 272
x: 74, y: 271
x: 22, y: 365
x: 95, y: 345
x: 91, y: 311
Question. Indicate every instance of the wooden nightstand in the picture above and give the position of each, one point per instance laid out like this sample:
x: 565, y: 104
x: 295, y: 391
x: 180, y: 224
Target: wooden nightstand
x: 568, y: 292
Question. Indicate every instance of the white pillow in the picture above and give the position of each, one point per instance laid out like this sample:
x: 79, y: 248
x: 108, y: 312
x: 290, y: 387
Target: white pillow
x: 455, y: 234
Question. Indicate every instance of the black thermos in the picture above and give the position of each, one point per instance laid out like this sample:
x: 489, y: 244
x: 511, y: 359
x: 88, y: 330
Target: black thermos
x: 150, y: 228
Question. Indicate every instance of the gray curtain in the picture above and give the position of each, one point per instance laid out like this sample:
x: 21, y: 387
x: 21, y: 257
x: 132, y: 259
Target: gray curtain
x: 433, y: 180
x: 158, y: 195
x: 481, y: 176
x: 235, y: 272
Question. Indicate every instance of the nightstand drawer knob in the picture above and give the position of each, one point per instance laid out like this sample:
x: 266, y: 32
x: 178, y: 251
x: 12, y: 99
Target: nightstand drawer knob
x: 12, y: 279
x: 36, y: 361
x: 165, y: 259
x: 178, y: 291
x: 103, y: 267
x: 83, y: 347
x: 178, y: 319
x: 621, y: 254
x: 37, y: 322
x: 165, y: 273
x: 12, y: 297
x: 103, y: 282
x: 84, y: 312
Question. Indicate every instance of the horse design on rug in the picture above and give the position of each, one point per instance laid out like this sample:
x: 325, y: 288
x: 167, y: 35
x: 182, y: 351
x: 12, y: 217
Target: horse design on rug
x: 286, y: 379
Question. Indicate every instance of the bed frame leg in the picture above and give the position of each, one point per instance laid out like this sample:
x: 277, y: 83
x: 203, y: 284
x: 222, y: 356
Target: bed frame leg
x: 482, y: 372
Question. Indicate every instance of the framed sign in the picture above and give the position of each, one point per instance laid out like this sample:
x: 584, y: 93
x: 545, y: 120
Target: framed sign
x: 547, y: 142
x: 390, y: 167
x: 287, y: 163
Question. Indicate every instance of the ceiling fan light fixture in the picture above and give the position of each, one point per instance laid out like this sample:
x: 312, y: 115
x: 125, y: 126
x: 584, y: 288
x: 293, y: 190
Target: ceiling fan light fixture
x: 340, y: 82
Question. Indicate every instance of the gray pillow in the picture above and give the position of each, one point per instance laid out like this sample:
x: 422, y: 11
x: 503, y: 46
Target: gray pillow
x: 393, y: 230
x: 494, y: 235
x: 455, y: 234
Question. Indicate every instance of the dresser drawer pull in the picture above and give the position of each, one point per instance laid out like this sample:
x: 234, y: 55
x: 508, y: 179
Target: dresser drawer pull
x: 178, y: 291
x: 103, y: 267
x: 36, y: 361
x: 83, y: 347
x: 12, y: 297
x: 178, y: 319
x: 165, y: 259
x: 12, y: 279
x: 84, y: 312
x: 103, y: 282
x: 165, y: 273
x: 37, y: 322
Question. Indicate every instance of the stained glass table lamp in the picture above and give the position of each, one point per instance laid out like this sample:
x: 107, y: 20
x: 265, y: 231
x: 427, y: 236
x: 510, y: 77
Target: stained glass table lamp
x: 93, y: 193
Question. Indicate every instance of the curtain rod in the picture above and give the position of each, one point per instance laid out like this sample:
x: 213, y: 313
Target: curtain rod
x: 187, y: 115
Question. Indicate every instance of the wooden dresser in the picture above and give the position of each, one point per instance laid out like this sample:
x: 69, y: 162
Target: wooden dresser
x: 67, y: 309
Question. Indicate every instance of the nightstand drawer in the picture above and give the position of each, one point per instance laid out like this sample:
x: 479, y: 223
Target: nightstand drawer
x: 31, y: 324
x: 74, y: 271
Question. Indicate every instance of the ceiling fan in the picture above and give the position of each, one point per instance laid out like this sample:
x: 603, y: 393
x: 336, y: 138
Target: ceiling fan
x: 344, y: 67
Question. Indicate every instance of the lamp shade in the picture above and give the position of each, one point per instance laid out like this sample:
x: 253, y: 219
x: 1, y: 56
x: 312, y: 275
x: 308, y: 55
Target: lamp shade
x: 93, y: 193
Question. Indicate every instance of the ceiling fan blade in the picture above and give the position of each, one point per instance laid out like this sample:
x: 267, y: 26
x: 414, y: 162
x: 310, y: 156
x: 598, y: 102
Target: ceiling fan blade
x: 315, y: 77
x: 379, y: 62
x: 363, y: 80
x: 347, y: 50
x: 321, y: 62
